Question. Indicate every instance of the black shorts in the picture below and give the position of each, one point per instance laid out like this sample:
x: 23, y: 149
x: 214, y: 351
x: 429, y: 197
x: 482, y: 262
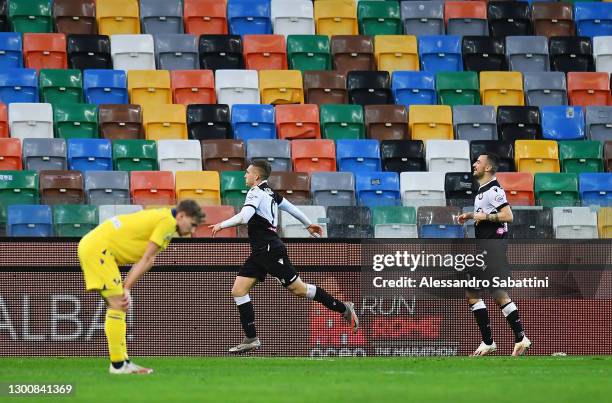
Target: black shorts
x: 274, y: 262
x: 496, y: 263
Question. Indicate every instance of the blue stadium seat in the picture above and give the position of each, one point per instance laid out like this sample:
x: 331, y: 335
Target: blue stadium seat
x: 249, y: 17
x: 563, y: 123
x: 90, y: 155
x: 18, y: 85
x: 439, y: 222
x: 593, y: 18
x: 29, y: 220
x: 253, y: 122
x: 11, y: 55
x: 441, y: 231
x: 105, y: 87
x: 358, y: 156
x: 440, y: 53
x: 414, y: 88
x: 595, y: 188
x: 377, y: 189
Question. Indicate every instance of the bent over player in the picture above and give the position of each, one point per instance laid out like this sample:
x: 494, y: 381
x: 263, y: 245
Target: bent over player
x: 269, y: 255
x: 129, y: 239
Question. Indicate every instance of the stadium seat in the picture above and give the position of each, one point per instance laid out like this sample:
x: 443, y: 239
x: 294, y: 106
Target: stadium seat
x: 276, y: 152
x: 105, y: 87
x: 604, y: 222
x: 588, y: 89
x: 265, y: 52
x: 595, y: 188
x: 120, y: 122
x: 358, y: 156
x: 108, y: 211
x: 376, y: 189
x: 279, y: 87
x: 148, y: 87
x: 423, y: 17
x: 161, y: 16
x: 73, y: 220
x: 519, y: 122
x: 509, y: 19
x: 574, y: 223
x: 61, y: 187
x: 457, y: 88
x: 440, y: 53
x: 90, y: 155
x: 4, y: 22
x: 553, y: 19
x: 30, y: 15
x: 336, y: 17
x: 134, y: 155
x: 483, y: 53
x: 342, y: 122
x: 17, y: 187
x: 10, y: 154
x: 556, y: 189
x: 152, y: 188
x: 430, y: 122
x: 413, y: 88
x: 203, y: 186
x: 324, y: 87
x: 60, y: 86
x: 297, y: 122
x: 253, y: 122
x: 45, y: 51
x: 475, y: 122
x: 333, y: 188
x: 118, y: 17
x: 4, y: 121
x: 11, y: 53
x: 205, y: 122
x: 308, y: 52
x: 527, y: 53
x: 133, y: 52
x: 223, y: 155
x: 179, y: 155
x: 205, y: 17
x: 501, y: 88
x: 89, y: 52
x: 75, y: 17
x: 31, y: 120
x: 447, y: 156
x: 369, y: 87
x: 292, y: 228
x: 460, y: 189
x: 602, y: 53
x: 164, y: 121
x: 75, y: 120
x: 422, y: 189
x: 219, y: 52
x: 599, y: 122
x: 394, y: 222
x: 593, y: 18
x: 112, y: 187
x: 503, y: 149
x: 237, y: 87
x: 193, y: 87
x: 313, y: 155
x: 18, y: 85
x: 439, y: 222
x: 379, y: 18
x: 176, y: 52
x: 402, y: 155
x: 386, y: 122
x: 545, y: 88
x: 563, y: 123
x: 518, y: 187
x: 608, y: 155
x: 396, y: 52
x: 531, y: 223
x: 352, y: 52
x: 29, y: 221
x: 536, y: 156
x: 233, y: 188
x: 349, y: 222
x: 581, y: 156
x: 465, y: 18
x: 294, y: 186
x: 571, y: 53
x: 291, y: 17
x: 249, y: 17
x: 213, y: 215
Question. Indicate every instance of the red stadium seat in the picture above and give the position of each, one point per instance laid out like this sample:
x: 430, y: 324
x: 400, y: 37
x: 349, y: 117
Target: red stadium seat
x: 588, y: 88
x: 214, y: 215
x: 4, y: 126
x: 313, y: 155
x: 61, y: 187
x: 518, y: 187
x: 193, y: 87
x: 205, y: 17
x: 152, y: 187
x: 10, y: 154
x: 297, y: 122
x: 45, y: 51
x: 265, y: 52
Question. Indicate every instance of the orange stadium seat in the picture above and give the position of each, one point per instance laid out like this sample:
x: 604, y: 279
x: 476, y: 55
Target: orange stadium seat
x: 518, y: 187
x: 10, y: 154
x: 205, y: 17
x: 313, y: 155
x: 297, y: 122
x: 193, y: 87
x: 152, y: 187
x: 45, y: 51
x: 589, y: 88
x: 214, y: 215
x: 264, y: 52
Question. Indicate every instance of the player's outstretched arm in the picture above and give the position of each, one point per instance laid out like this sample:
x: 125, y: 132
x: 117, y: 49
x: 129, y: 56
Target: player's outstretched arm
x: 242, y: 217
x: 142, y: 266
x: 314, y: 229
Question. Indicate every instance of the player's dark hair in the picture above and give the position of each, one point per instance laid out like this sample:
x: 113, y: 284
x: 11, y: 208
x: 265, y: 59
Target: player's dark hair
x: 264, y: 168
x: 191, y: 209
x: 493, y: 160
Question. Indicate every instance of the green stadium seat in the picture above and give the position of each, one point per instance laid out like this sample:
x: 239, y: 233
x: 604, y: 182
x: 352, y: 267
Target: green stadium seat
x: 75, y: 121
x: 309, y: 52
x: 58, y: 86
x: 233, y: 188
x: 342, y: 122
x: 30, y: 15
x: 394, y: 222
x: 581, y: 156
x: 74, y: 220
x: 556, y: 189
x: 379, y: 18
x: 135, y: 155
x: 458, y: 88
x: 17, y: 187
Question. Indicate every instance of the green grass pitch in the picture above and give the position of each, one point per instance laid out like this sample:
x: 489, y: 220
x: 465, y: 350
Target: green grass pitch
x: 376, y: 380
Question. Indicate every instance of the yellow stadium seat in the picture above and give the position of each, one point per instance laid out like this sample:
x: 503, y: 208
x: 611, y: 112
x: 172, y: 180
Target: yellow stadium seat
x: 336, y: 17
x: 117, y: 17
x: 536, y: 156
x: 281, y: 87
x: 604, y: 222
x: 501, y: 88
x: 430, y: 122
x: 148, y: 87
x: 396, y: 52
x: 203, y: 186
x: 164, y: 122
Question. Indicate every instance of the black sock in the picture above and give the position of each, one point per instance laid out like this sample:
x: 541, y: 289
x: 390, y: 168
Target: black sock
x: 511, y: 313
x: 482, y: 319
x: 247, y: 319
x: 117, y: 364
x: 322, y: 297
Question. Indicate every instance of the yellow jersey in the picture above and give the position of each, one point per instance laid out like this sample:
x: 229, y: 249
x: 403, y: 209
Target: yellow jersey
x: 126, y: 236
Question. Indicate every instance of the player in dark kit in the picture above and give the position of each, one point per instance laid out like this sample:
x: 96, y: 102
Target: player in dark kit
x: 491, y: 216
x: 269, y: 255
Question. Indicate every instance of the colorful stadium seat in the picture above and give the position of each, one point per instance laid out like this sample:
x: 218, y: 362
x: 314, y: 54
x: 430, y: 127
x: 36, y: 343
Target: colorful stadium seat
x: 75, y: 120
x: 265, y: 52
x: 430, y: 122
x: 423, y: 17
x: 313, y: 155
x: 599, y: 122
x: 18, y: 85
x: 553, y: 19
x: 556, y: 189
x: 593, y: 18
x: 358, y: 156
x: 519, y: 122
x: 223, y: 155
x: 44, y: 154
x: 342, y: 122
x: 581, y: 156
x: 148, y: 87
x: 11, y: 50
x: 352, y: 52
x: 518, y: 187
x: 325, y: 87
x: 176, y: 52
x: 369, y: 87
x: 501, y: 88
x: 161, y: 16
x: 134, y: 155
x: 89, y: 52
x: 45, y: 51
x: 349, y: 222
x: 422, y: 189
x: 152, y: 187
x: 291, y: 17
x: 213, y: 215
x: 447, y: 156
x: 292, y: 228
x: 484, y: 53
x: 17, y: 187
x: 179, y: 155
x: 505, y: 151
x: 122, y: 121
x: 249, y: 17
x: 536, y: 156
x: 457, y: 88
x: 376, y: 189
x: 60, y: 86
x: 61, y: 187
x: 386, y: 122
x: 464, y: 18
x: 527, y: 53
x: 413, y: 88
x: 164, y: 121
x: 439, y: 222
x: 111, y: 210
x: 460, y: 189
x: 531, y: 223
x: 589, y: 89
x: 193, y: 87
x: 29, y: 221
x: 279, y: 87
x: 75, y: 17
x: 31, y: 120
x: 574, y: 223
x: 107, y: 187
x: 396, y: 52
x: 336, y: 17
x: 220, y: 52
x: 604, y: 222
x: 237, y: 87
x: 475, y: 122
x: 105, y: 87
x: 402, y: 155
x: 545, y: 88
x: 333, y: 188
x: 571, y: 53
x: 394, y: 222
x: 298, y: 122
x: 73, y: 220
x: 205, y: 17
x: 205, y: 122
x: 30, y: 15
x: 308, y: 52
x: 10, y: 154
x: 295, y: 186
x: 509, y: 19
x: 90, y: 155
x: 595, y: 188
x: 233, y: 188
x: 276, y: 152
x: 440, y: 53
x: 379, y: 18
x: 563, y: 123
x: 602, y: 52
x: 203, y: 186
x: 253, y: 122
x: 118, y: 17
x: 133, y: 52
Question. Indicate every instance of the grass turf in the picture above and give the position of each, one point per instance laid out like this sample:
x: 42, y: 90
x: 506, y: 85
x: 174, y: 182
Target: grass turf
x: 249, y: 379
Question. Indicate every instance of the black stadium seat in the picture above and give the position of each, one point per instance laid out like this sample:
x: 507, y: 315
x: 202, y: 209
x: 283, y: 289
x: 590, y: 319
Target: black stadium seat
x: 349, y: 222
x: 519, y: 123
x: 403, y: 155
x: 571, y: 53
x: 503, y: 149
x: 531, y: 223
x: 460, y: 188
x: 220, y: 52
x: 369, y: 87
x: 509, y: 18
x: 484, y: 53
x: 209, y: 122
x: 89, y: 52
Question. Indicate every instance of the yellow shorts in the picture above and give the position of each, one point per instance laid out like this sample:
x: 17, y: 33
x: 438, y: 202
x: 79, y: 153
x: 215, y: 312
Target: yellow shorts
x: 99, y: 267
